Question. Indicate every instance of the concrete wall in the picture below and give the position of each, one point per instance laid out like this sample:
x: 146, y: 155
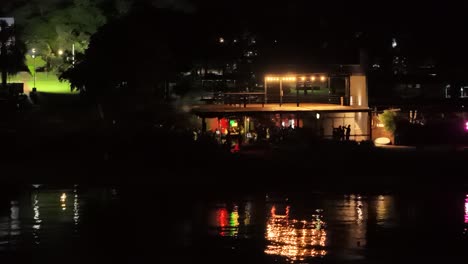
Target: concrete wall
x: 358, y: 90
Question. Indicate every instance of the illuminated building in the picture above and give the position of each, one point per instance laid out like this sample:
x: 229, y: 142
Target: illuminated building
x: 322, y: 98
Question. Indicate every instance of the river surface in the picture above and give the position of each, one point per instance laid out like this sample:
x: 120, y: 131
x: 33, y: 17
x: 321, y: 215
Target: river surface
x: 122, y: 224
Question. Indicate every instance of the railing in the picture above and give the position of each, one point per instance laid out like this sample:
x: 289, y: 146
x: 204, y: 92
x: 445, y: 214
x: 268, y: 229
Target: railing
x: 245, y: 98
x: 320, y: 99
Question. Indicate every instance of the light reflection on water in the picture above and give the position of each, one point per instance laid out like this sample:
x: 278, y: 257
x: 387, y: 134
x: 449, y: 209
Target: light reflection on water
x: 295, y: 239
x: 466, y: 209
x: 301, y: 229
x: 43, y: 217
x: 297, y: 230
x: 76, y: 209
x: 227, y: 220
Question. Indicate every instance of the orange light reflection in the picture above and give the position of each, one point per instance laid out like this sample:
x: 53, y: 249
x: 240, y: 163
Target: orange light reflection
x: 295, y: 239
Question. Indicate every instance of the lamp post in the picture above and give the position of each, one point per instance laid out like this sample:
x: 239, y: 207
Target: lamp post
x: 34, y: 66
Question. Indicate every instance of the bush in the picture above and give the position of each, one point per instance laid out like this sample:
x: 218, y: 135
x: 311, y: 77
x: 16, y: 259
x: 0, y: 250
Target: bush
x: 388, y: 118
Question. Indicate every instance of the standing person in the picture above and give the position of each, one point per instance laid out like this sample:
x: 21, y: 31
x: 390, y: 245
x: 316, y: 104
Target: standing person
x: 348, y: 132
x: 341, y: 133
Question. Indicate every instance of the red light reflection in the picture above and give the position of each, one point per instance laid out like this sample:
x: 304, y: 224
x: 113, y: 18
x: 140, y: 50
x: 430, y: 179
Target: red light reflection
x: 222, y: 220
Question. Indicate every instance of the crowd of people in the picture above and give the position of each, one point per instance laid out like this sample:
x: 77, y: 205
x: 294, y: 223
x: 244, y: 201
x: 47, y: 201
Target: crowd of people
x: 342, y: 133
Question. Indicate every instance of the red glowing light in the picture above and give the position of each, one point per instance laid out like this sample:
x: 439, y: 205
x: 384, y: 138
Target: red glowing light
x: 222, y: 220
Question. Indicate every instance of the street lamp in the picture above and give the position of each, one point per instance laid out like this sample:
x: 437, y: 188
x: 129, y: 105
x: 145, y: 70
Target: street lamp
x: 34, y: 66
x: 60, y: 52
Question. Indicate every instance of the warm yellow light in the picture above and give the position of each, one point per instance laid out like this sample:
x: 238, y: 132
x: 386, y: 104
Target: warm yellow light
x: 303, y: 78
x: 63, y: 197
x: 322, y: 78
x: 289, y: 78
x: 312, y: 78
x: 60, y: 52
x: 272, y: 79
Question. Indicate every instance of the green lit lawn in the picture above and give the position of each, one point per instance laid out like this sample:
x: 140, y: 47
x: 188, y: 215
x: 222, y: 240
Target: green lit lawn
x: 46, y: 83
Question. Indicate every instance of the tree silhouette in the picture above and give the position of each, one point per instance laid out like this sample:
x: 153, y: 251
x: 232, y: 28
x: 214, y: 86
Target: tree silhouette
x: 12, y: 52
x: 130, y: 60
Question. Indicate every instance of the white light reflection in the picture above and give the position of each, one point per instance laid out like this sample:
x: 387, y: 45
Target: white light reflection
x: 14, y: 219
x: 76, y: 208
x: 37, y: 219
x: 294, y: 239
x: 354, y: 213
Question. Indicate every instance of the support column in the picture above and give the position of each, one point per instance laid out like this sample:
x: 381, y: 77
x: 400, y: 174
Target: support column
x: 347, y: 91
x: 370, y: 124
x: 297, y: 94
x: 281, y: 92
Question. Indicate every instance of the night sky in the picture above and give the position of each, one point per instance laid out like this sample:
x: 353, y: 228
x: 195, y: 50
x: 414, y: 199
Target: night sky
x: 421, y: 27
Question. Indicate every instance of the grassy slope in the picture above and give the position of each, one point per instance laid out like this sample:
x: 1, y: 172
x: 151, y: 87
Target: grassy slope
x: 45, y: 82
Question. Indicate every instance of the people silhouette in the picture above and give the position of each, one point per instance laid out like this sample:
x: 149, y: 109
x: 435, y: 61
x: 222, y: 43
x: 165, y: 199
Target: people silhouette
x: 348, y: 132
x: 341, y: 133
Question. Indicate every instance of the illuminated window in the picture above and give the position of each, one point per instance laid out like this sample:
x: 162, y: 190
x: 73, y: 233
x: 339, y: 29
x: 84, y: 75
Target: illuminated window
x: 233, y: 123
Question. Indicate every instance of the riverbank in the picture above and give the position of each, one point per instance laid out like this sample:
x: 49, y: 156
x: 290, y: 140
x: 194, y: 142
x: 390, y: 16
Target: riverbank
x: 64, y: 140
x: 170, y: 161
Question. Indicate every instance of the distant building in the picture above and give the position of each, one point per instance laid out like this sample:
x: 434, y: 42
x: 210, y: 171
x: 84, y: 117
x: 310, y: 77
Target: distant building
x: 323, y: 100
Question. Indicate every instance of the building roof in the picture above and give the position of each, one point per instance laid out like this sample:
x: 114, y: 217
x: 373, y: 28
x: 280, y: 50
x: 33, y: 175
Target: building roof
x: 345, y: 69
x: 222, y: 109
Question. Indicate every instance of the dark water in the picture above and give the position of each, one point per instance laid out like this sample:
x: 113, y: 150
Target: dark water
x: 41, y: 224
x: 79, y: 224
